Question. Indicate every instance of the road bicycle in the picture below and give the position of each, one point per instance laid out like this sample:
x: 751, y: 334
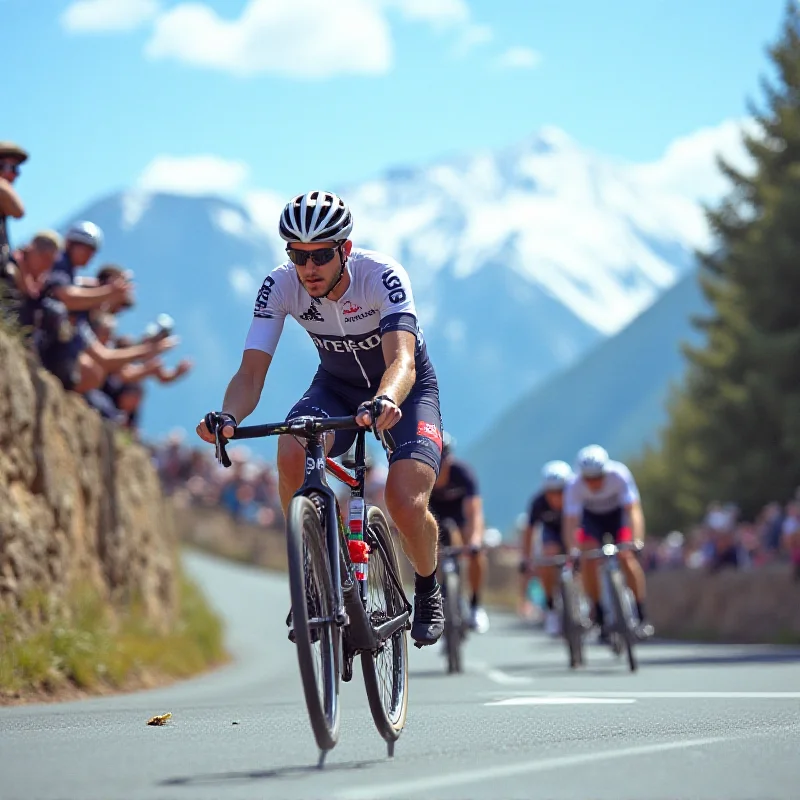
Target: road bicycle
x: 619, y: 607
x: 346, y: 593
x: 568, y: 604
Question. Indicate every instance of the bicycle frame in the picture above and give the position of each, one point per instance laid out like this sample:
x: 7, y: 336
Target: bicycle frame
x: 608, y: 556
x: 349, y: 593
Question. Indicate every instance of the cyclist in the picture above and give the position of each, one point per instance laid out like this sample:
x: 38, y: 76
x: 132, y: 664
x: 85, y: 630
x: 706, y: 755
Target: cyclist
x: 455, y: 497
x: 357, y: 307
x: 603, y: 498
x: 545, y: 511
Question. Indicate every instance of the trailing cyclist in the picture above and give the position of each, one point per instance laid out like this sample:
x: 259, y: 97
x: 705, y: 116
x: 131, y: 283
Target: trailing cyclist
x: 602, y: 498
x: 545, y: 512
x: 455, y: 497
x: 358, y: 309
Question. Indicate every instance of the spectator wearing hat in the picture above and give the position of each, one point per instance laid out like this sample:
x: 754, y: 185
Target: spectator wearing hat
x: 11, y: 156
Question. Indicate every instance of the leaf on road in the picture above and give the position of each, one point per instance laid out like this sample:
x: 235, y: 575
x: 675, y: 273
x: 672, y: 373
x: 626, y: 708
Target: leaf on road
x: 160, y: 719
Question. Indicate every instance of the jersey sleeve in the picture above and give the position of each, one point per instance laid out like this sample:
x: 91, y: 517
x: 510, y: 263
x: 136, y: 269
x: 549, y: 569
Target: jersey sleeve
x: 393, y: 296
x: 573, y: 502
x: 269, y: 314
x: 630, y: 492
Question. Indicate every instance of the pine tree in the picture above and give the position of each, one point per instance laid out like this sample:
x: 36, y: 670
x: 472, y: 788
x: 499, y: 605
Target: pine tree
x: 734, y: 428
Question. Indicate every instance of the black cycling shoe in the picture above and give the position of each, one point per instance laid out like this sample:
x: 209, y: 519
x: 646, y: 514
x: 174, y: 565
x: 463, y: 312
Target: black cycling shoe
x: 428, y: 625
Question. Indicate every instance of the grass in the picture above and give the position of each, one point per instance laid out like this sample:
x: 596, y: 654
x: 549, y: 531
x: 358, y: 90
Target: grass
x: 83, y: 647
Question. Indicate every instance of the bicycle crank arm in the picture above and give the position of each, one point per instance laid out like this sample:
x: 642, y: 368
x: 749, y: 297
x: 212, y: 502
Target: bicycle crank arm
x: 387, y: 629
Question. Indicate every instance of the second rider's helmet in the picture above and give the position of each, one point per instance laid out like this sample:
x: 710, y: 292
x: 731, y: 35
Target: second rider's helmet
x: 555, y: 475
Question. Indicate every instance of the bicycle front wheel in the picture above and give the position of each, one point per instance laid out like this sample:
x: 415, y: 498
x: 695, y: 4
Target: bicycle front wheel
x: 571, y: 620
x: 385, y: 670
x: 453, y: 624
x: 622, y: 616
x: 316, y: 634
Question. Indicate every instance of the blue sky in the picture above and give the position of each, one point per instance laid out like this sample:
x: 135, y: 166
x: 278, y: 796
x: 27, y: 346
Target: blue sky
x: 293, y: 94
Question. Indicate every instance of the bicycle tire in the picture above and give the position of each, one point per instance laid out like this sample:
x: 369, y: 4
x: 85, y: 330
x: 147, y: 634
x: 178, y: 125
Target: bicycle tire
x: 622, y: 621
x: 388, y: 704
x: 310, y: 580
x: 571, y: 622
x: 453, y: 624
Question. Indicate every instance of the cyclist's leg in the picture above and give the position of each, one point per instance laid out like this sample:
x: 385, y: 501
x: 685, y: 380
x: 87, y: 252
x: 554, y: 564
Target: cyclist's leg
x: 319, y: 400
x: 632, y: 569
x: 413, y: 468
x: 589, y: 537
x: 551, y: 546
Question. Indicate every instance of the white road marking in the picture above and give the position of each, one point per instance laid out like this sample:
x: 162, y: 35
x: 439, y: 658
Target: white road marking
x: 422, y: 785
x: 673, y: 695
x: 561, y: 701
x: 498, y: 676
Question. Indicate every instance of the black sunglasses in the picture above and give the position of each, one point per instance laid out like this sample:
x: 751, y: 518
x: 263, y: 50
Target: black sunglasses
x: 322, y: 256
x: 9, y: 166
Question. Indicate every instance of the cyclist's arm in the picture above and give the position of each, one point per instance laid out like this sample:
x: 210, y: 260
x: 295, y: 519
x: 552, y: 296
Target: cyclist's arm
x: 568, y: 528
x: 526, y: 547
x: 473, y: 520
x: 398, y: 354
x: 244, y: 390
x: 636, y: 517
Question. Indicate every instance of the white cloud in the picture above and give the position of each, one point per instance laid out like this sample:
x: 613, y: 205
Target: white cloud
x: 441, y: 13
x: 471, y: 37
x: 242, y: 282
x: 519, y: 58
x: 193, y: 175
x: 302, y: 38
x: 102, y: 16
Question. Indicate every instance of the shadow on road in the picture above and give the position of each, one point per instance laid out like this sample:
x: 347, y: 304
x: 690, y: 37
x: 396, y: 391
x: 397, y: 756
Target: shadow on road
x: 246, y: 776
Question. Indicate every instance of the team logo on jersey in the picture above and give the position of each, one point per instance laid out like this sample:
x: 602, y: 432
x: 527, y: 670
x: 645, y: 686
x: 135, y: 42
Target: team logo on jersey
x: 429, y: 431
x: 312, y: 315
x: 350, y: 309
x: 260, y: 309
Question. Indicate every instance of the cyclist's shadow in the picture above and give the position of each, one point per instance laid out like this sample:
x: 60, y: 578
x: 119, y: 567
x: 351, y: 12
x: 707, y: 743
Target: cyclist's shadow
x: 277, y: 773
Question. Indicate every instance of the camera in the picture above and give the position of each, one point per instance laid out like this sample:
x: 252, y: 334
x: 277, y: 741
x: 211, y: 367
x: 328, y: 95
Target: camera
x: 161, y: 328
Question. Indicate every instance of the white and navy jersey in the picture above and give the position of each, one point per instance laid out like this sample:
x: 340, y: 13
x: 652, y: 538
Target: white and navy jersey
x: 347, y: 332
x: 617, y: 491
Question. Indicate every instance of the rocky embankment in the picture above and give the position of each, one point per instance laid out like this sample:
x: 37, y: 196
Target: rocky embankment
x: 80, y: 505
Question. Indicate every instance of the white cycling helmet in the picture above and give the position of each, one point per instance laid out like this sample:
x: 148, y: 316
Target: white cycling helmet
x: 555, y: 475
x: 85, y: 232
x: 592, y: 461
x: 316, y: 217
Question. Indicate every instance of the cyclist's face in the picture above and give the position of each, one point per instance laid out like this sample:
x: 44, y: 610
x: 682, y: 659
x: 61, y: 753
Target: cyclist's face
x: 318, y: 280
x: 594, y: 484
x: 555, y: 499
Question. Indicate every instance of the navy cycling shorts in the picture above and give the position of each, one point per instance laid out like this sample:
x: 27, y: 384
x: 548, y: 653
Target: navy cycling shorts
x: 418, y: 435
x: 552, y: 535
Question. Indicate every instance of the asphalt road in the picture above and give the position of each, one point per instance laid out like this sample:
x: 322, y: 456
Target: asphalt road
x: 695, y: 722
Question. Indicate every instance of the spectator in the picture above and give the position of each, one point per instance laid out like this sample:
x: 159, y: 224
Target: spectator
x: 11, y: 157
x: 23, y: 277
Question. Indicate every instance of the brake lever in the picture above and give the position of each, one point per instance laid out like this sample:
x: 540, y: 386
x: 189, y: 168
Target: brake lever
x: 384, y: 437
x: 221, y: 453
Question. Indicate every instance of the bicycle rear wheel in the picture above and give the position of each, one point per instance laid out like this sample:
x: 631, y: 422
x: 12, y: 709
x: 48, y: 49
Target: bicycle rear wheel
x: 622, y: 616
x: 453, y: 624
x: 571, y: 620
x: 385, y: 670
x: 317, y: 637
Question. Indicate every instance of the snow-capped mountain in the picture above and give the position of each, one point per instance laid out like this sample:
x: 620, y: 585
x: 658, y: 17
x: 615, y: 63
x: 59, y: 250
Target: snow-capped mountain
x: 520, y: 260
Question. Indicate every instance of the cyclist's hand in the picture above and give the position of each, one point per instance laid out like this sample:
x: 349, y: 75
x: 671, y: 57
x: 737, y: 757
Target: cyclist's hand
x: 389, y: 417
x: 212, y: 421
